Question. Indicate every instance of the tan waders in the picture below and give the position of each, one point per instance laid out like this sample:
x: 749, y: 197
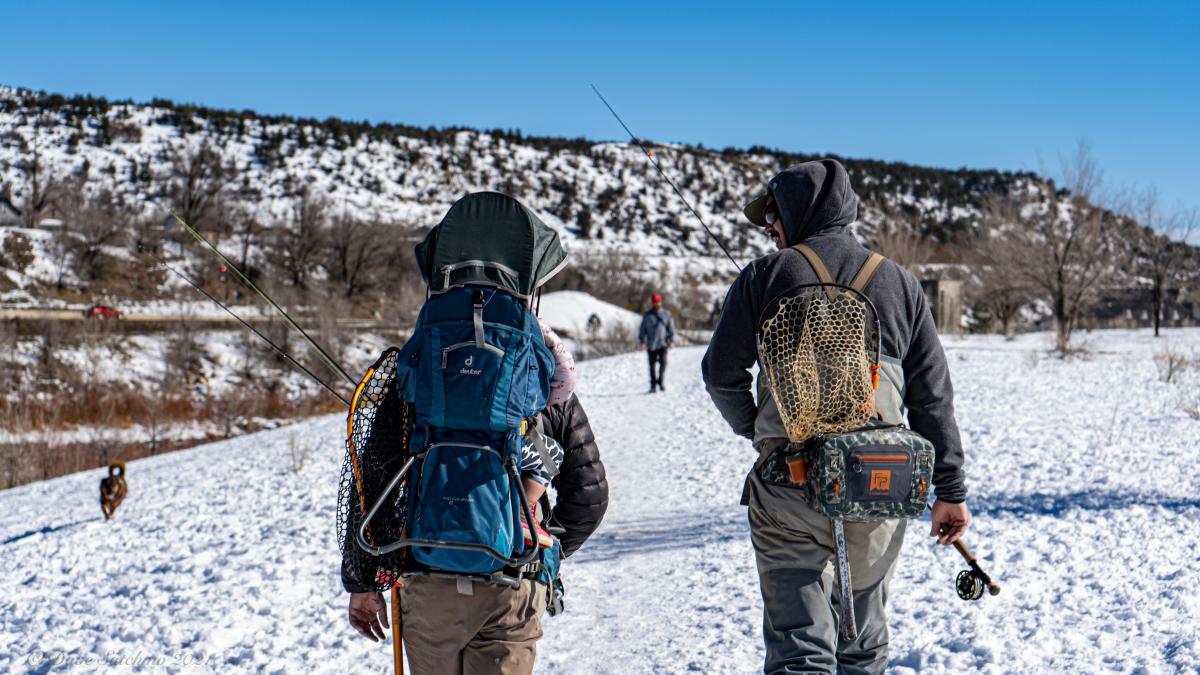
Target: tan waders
x: 465, y: 628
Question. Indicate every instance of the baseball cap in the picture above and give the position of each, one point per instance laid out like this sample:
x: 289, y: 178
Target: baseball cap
x: 756, y: 210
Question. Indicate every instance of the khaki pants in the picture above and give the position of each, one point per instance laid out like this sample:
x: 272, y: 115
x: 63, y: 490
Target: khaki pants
x: 495, y: 629
x: 794, y: 550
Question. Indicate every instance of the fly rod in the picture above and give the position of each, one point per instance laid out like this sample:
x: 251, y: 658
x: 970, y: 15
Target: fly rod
x: 254, y: 287
x: 650, y: 156
x: 254, y: 330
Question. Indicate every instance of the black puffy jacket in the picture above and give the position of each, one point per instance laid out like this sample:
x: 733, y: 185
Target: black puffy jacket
x: 581, y: 485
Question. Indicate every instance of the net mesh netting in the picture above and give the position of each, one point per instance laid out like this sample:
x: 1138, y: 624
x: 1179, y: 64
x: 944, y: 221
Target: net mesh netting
x: 817, y: 346
x: 376, y: 448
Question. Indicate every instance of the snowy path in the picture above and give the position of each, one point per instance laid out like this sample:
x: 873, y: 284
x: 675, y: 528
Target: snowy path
x: 1082, y: 478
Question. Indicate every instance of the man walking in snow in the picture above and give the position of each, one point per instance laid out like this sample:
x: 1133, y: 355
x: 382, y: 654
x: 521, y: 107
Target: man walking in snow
x: 814, y: 203
x: 493, y: 628
x: 656, y: 334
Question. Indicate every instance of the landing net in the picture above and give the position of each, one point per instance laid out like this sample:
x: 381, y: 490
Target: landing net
x: 817, y: 346
x: 376, y: 448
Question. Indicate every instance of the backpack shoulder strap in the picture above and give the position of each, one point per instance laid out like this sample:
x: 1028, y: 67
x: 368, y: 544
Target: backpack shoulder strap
x: 539, y: 444
x: 818, y: 265
x: 867, y: 272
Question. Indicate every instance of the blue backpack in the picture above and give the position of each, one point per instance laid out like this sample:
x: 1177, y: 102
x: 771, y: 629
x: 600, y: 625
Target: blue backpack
x: 476, y: 369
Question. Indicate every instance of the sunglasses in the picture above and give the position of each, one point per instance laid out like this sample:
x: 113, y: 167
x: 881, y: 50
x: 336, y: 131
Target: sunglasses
x: 771, y: 215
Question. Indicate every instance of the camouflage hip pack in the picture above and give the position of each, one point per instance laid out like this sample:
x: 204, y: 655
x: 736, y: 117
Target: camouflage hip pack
x: 878, y: 472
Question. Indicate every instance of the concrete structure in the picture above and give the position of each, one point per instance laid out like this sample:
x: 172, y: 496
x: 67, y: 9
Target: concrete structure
x: 945, y: 302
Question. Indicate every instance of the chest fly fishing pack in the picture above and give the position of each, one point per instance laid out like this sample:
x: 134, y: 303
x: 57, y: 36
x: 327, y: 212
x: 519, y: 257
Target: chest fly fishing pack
x: 819, y: 346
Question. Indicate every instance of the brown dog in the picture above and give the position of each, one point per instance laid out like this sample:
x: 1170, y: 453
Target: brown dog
x: 113, y: 489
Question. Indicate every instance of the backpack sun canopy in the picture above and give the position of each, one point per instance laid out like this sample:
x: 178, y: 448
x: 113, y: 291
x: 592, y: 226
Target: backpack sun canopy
x: 490, y: 238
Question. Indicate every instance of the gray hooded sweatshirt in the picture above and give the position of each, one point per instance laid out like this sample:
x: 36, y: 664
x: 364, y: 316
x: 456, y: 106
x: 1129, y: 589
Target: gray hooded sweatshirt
x: 816, y: 204
x: 657, y: 330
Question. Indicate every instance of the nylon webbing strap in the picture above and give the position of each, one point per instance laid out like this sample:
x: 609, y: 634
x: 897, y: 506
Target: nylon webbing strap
x: 539, y: 444
x: 478, y: 316
x: 861, y: 279
x: 818, y: 266
x: 867, y: 272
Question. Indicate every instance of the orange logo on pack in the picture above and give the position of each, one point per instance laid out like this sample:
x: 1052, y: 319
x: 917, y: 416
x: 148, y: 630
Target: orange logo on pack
x: 881, y: 481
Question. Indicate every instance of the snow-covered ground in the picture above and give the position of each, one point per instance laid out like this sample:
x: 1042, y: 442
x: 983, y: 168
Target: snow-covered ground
x: 1082, y: 482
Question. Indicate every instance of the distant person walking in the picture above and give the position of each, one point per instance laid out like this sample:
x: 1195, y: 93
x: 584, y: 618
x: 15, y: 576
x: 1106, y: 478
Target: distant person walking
x: 656, y: 335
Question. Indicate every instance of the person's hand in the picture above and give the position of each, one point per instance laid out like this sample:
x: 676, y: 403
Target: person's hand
x: 369, y: 615
x: 949, y: 521
x: 641, y: 345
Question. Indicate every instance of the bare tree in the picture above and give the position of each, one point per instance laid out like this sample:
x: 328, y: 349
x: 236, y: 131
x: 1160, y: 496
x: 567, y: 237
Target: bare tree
x: 230, y: 408
x: 154, y: 407
x: 1003, y: 289
x: 1062, y: 245
x: 298, y: 243
x: 354, y: 257
x: 183, y: 356
x: 40, y: 191
x: 105, y: 438
x: 592, y: 272
x: 405, y: 288
x: 247, y: 228
x: 194, y: 183
x: 333, y: 338
x: 896, y: 237
x: 96, y: 225
x: 50, y: 368
x: 1160, y: 248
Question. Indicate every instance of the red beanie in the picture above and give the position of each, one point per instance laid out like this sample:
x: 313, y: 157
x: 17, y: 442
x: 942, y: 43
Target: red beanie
x: 656, y: 298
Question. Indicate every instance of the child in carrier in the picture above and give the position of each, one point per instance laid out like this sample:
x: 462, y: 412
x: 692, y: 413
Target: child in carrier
x: 534, y: 474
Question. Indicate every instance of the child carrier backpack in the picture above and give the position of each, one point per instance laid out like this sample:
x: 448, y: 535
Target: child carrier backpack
x: 471, y: 381
x: 819, y: 346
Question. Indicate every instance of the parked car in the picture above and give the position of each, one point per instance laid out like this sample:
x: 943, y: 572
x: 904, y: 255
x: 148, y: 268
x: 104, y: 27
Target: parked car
x: 101, y: 312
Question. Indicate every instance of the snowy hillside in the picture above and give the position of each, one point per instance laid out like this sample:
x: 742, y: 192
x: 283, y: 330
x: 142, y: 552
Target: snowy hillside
x: 392, y: 173
x: 1080, y: 475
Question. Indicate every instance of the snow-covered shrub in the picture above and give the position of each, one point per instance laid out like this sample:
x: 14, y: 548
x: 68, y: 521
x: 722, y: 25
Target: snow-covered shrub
x: 1171, y: 362
x: 614, y: 338
x: 299, y: 453
x: 17, y: 252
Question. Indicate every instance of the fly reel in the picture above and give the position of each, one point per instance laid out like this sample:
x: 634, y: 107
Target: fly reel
x: 969, y: 586
x: 970, y: 583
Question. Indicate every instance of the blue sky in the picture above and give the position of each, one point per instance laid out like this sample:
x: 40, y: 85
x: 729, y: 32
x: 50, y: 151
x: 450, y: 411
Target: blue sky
x: 1006, y: 85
